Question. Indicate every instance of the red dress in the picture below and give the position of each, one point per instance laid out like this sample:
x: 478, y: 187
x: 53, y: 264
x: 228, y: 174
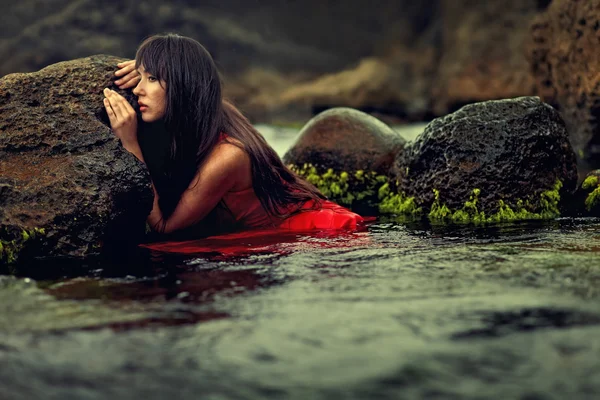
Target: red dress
x: 243, y: 210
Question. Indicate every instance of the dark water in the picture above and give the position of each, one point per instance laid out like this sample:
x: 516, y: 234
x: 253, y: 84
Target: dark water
x: 396, y: 311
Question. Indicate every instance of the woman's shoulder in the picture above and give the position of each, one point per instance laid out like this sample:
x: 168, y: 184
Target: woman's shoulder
x: 231, y: 149
x: 229, y: 157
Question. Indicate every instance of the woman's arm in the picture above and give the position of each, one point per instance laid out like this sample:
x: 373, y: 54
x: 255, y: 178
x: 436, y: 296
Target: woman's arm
x: 220, y: 173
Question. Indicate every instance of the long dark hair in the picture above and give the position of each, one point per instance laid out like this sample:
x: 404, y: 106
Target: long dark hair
x: 196, y: 115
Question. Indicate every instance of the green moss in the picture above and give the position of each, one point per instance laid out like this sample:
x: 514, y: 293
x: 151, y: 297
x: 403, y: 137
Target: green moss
x: 592, y: 199
x: 396, y: 203
x: 590, y: 182
x: 547, y: 208
x: 439, y: 211
x: 343, y: 187
x: 470, y: 212
x: 549, y: 201
x: 10, y: 249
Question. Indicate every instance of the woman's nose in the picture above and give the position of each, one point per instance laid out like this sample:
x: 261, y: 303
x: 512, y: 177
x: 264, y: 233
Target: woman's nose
x: 137, y: 90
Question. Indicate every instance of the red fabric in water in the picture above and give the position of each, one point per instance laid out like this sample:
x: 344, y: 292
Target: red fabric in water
x: 265, y: 241
x: 329, y: 216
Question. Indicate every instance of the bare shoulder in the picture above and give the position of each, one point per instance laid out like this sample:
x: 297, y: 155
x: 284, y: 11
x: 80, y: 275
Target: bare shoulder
x: 232, y: 160
x: 230, y: 152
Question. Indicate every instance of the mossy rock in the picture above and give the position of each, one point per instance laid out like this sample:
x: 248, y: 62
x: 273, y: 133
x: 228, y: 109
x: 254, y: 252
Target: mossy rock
x: 489, y: 162
x: 347, y: 154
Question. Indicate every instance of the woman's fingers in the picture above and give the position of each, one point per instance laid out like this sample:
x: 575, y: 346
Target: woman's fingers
x: 111, y: 114
x: 120, y: 106
x: 125, y: 67
x: 129, y: 76
x: 128, y: 81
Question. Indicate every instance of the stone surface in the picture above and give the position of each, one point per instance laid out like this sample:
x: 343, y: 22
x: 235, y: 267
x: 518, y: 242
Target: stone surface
x: 345, y: 153
x: 563, y: 52
x: 67, y: 187
x: 346, y: 139
x: 512, y: 151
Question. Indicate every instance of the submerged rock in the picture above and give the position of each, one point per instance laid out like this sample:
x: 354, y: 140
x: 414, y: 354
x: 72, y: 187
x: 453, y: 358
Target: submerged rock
x: 490, y: 161
x: 67, y: 187
x: 347, y: 154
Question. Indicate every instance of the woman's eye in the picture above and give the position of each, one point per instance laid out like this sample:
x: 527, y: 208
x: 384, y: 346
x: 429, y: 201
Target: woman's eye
x: 152, y: 79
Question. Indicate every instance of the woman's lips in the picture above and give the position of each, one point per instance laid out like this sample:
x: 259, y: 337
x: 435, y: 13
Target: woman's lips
x: 143, y: 108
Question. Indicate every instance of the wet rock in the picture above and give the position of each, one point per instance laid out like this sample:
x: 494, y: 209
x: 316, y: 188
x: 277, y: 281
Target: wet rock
x: 67, y: 187
x: 489, y: 161
x: 347, y: 154
x: 563, y: 53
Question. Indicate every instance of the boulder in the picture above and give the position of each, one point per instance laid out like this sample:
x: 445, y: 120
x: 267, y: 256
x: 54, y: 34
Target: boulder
x: 347, y: 154
x: 563, y: 53
x: 67, y: 186
x: 490, y: 161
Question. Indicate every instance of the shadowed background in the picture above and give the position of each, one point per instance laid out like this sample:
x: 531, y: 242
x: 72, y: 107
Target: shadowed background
x: 402, y: 61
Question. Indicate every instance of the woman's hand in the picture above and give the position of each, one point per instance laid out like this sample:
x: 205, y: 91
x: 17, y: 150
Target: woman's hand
x: 127, y: 74
x: 123, y: 120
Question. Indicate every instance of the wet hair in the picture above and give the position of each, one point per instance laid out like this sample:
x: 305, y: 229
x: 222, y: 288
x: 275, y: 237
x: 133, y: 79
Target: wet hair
x: 196, y: 114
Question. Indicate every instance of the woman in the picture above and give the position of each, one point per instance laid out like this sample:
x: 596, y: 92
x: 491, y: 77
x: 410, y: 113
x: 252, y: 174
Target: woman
x: 210, y: 168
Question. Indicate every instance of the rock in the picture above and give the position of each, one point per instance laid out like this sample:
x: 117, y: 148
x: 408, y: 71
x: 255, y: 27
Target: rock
x: 67, y: 187
x: 347, y: 154
x: 489, y: 161
x: 563, y: 53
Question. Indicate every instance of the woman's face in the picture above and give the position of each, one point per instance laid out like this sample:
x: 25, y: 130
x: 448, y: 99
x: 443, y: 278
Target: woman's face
x: 152, y: 96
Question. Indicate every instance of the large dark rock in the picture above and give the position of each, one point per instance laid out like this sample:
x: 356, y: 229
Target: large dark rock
x: 490, y: 161
x: 346, y: 153
x: 67, y: 187
x: 563, y: 53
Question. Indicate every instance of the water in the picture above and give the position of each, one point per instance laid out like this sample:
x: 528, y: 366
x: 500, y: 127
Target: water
x: 396, y: 311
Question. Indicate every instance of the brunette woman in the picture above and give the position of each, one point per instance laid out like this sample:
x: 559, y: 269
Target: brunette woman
x: 210, y: 168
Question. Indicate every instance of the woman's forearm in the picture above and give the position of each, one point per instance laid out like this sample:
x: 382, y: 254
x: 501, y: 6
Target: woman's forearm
x: 135, y: 149
x: 155, y: 218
